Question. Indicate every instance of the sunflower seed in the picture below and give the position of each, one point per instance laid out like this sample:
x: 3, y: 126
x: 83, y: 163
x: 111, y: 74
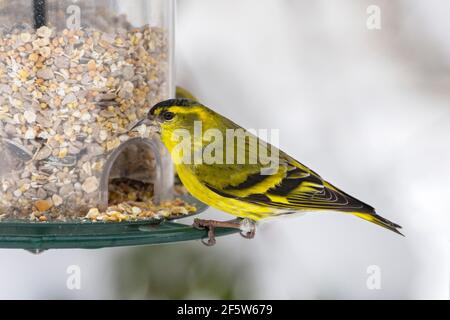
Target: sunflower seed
x: 67, y: 161
x: 43, y: 153
x: 90, y: 185
x: 18, y: 150
x: 46, y: 74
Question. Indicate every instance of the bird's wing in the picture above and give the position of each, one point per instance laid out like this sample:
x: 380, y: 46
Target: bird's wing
x: 292, y: 187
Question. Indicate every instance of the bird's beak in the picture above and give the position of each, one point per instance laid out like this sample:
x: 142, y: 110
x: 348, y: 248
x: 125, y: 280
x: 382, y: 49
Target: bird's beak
x: 137, y: 124
x: 149, y: 121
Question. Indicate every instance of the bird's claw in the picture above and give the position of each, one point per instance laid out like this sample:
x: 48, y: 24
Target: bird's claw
x: 210, y: 240
x: 248, y: 235
x: 200, y: 224
x: 246, y: 226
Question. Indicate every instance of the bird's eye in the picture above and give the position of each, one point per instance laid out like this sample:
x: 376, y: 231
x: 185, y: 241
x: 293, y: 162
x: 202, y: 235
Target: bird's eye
x: 168, y: 115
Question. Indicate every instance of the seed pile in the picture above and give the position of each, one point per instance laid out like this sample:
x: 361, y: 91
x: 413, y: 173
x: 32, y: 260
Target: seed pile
x: 67, y: 100
x: 125, y: 189
x: 131, y: 199
x: 134, y: 211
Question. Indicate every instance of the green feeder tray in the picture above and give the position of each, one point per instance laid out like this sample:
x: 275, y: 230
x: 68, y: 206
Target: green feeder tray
x: 37, y: 237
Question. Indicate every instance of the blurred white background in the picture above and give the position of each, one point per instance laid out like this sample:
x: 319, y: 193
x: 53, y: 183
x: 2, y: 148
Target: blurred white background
x: 367, y: 109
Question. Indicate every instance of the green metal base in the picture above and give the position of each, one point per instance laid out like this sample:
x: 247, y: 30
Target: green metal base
x: 38, y: 236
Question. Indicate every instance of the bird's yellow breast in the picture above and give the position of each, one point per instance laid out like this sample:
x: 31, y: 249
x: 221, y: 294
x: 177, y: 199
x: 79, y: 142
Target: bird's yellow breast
x: 200, y: 191
x: 204, y: 194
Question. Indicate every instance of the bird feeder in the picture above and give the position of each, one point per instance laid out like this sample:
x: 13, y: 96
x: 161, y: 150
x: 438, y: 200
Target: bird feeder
x: 74, y: 77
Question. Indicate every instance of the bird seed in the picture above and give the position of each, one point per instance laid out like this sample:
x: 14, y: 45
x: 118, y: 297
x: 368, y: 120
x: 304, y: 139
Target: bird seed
x: 67, y: 100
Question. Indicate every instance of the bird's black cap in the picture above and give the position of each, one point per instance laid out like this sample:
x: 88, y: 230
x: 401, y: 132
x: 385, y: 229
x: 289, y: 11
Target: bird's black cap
x: 174, y: 102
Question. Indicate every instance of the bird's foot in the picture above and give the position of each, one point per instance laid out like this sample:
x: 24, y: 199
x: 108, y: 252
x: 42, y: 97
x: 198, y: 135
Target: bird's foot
x: 247, y: 227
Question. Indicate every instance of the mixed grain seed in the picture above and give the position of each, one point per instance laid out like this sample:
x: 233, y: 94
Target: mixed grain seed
x: 67, y: 100
x: 135, y: 211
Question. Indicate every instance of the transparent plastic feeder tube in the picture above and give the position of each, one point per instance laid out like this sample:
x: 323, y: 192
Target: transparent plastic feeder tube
x: 75, y: 75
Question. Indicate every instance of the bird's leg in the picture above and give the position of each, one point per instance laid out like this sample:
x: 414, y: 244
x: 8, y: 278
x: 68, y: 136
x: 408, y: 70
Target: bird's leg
x: 246, y: 226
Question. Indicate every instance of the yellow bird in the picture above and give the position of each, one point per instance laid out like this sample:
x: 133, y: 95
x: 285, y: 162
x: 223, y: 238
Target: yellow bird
x: 244, y: 188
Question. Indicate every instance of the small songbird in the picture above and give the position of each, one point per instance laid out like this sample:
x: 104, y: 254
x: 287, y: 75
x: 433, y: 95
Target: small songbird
x: 246, y: 189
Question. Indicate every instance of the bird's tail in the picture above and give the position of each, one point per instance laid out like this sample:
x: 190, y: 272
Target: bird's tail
x: 379, y: 220
x: 365, y: 211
